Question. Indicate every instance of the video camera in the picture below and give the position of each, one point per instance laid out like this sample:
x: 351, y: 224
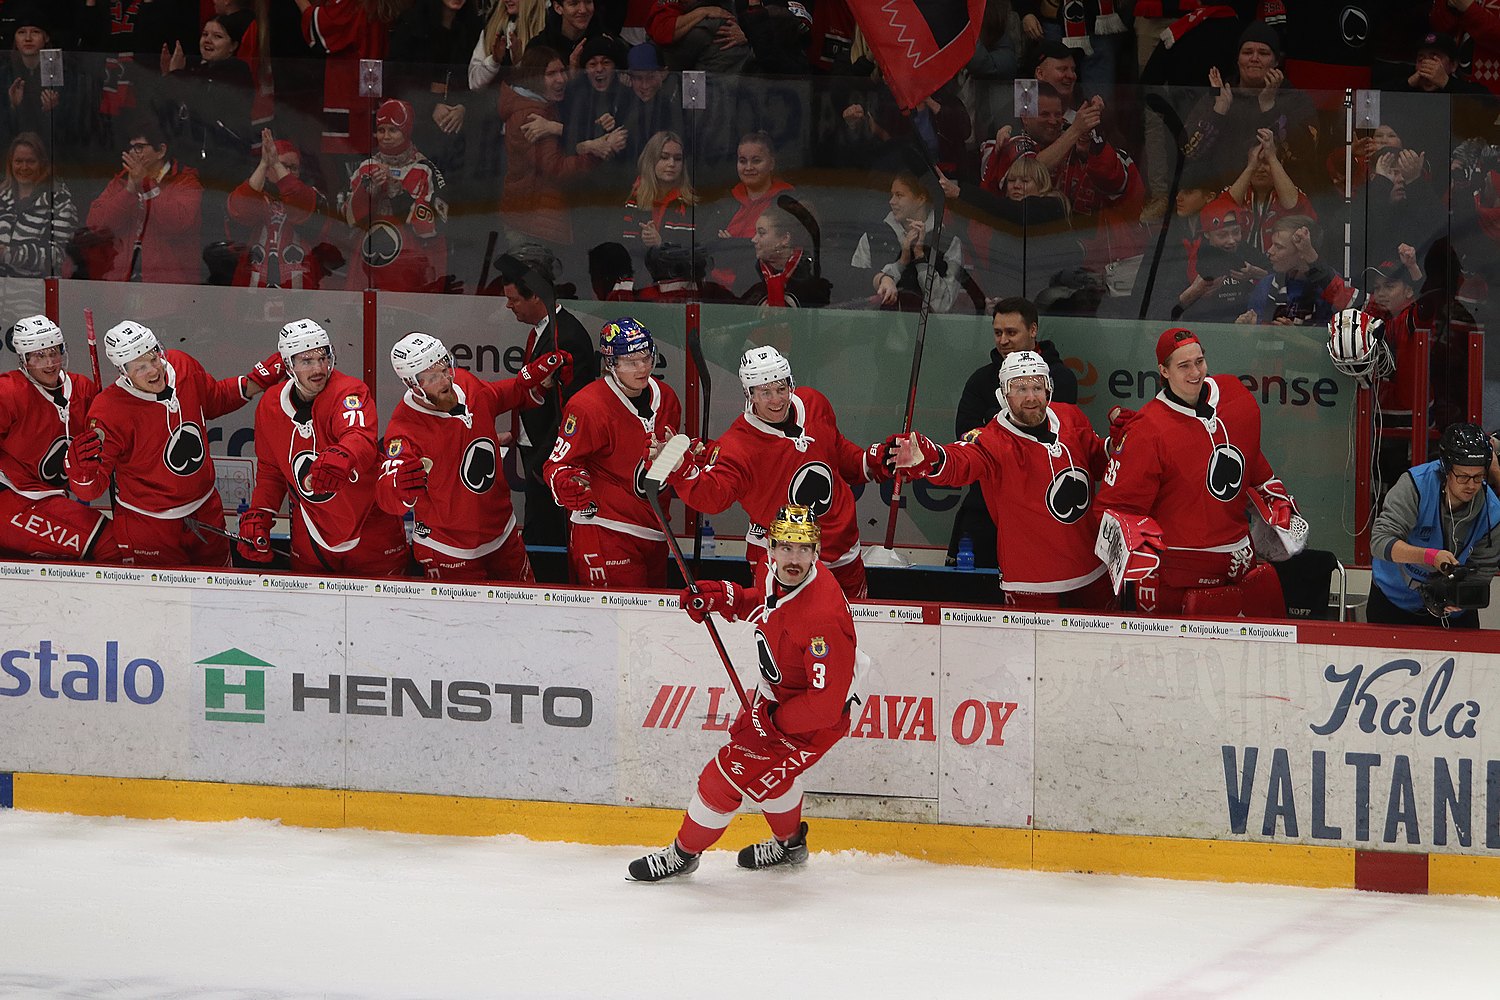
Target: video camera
x: 1453, y: 588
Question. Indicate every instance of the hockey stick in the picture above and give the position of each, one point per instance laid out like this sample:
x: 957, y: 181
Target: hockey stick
x: 666, y: 460
x: 195, y: 524
x: 1173, y: 121
x: 694, y: 341
x: 887, y: 554
x: 88, y: 326
x: 484, y: 268
x: 799, y: 211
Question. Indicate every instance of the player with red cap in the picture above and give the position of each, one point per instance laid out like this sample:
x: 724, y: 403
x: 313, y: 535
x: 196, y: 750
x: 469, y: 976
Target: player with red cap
x: 1178, y: 493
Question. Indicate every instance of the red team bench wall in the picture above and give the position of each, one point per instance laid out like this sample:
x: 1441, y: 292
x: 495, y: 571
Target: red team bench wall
x: 1326, y: 755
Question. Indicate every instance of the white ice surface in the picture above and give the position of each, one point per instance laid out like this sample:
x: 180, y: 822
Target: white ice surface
x: 135, y: 910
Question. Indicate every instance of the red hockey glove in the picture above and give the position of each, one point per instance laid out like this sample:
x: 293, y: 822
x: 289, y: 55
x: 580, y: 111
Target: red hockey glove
x: 267, y: 374
x: 713, y: 595
x: 85, y: 453
x: 410, y: 481
x: 761, y: 712
x: 1130, y: 545
x: 880, y: 460
x: 571, y: 488
x: 919, y: 457
x: 699, y: 454
x: 331, y: 471
x: 1120, y: 419
x: 255, y: 534
x: 1275, y: 504
x: 558, y: 363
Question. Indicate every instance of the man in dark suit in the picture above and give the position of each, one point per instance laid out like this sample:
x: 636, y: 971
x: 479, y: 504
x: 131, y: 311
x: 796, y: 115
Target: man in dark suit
x: 527, y: 273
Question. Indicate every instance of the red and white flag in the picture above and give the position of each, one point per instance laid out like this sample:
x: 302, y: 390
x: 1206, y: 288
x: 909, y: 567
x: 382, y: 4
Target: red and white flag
x: 919, y: 45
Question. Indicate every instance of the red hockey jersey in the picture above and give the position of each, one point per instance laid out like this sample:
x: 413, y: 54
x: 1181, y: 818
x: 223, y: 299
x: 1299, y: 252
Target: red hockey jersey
x: 35, y: 428
x: 157, y: 449
x: 806, y: 647
x: 1039, y: 489
x: 764, y: 468
x: 1190, y: 472
x: 605, y: 435
x: 466, y: 512
x: 288, y: 442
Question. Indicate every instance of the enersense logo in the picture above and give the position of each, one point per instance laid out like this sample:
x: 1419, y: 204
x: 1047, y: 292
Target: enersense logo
x: 251, y: 690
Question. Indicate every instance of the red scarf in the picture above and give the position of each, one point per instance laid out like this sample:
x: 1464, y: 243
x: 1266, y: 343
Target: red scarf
x: 776, y: 282
x: 1173, y: 32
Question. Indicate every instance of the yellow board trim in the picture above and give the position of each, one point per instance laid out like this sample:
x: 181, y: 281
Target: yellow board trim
x: 1041, y: 850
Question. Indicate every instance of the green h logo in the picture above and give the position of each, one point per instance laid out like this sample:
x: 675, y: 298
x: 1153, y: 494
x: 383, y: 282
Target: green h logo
x: 217, y: 689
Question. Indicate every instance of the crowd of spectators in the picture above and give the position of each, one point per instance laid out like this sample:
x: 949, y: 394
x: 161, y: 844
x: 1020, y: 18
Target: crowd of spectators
x: 489, y: 123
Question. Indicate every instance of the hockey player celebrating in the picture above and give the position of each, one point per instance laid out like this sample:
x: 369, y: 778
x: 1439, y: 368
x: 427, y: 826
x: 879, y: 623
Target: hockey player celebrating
x: 1037, y: 462
x: 42, y: 408
x: 315, y: 440
x: 442, y: 461
x: 810, y: 669
x: 150, y: 431
x: 786, y: 449
x: 1176, y: 496
x: 596, y: 467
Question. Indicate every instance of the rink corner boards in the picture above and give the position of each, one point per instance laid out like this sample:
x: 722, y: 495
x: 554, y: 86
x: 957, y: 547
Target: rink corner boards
x: 605, y: 825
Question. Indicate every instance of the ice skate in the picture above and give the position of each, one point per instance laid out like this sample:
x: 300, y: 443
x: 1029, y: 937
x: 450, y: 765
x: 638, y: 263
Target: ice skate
x: 665, y: 863
x: 773, y: 852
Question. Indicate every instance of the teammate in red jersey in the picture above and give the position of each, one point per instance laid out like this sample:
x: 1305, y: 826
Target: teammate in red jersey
x: 42, y: 407
x: 315, y: 442
x: 442, y: 461
x: 597, y: 467
x: 810, y: 670
x: 785, y: 449
x: 1037, y: 462
x: 150, y: 431
x: 1176, y: 496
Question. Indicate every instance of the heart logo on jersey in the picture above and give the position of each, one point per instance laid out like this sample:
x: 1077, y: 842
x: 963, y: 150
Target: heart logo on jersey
x: 52, y: 468
x: 812, y: 487
x: 1068, y: 495
x: 1226, y: 472
x: 768, y: 668
x: 184, y: 453
x: 301, y: 463
x: 479, y: 466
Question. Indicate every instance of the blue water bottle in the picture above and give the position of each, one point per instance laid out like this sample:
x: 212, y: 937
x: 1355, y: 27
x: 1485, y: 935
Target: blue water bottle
x: 965, y: 557
x: 710, y: 546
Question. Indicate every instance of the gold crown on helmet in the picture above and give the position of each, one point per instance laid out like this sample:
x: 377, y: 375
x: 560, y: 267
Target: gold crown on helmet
x: 797, y: 524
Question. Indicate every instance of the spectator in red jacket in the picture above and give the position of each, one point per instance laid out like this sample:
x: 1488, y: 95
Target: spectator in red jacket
x: 1101, y: 183
x: 272, y: 204
x: 144, y: 227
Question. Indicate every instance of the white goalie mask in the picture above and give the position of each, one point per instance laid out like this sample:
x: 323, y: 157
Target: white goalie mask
x: 1018, y: 365
x: 1356, y: 343
x: 762, y: 366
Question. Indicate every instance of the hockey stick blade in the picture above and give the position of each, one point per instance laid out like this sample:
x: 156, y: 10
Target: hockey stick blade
x: 668, y: 458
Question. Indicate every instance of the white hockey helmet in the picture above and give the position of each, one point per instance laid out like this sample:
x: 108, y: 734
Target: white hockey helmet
x: 1021, y: 364
x: 36, y: 333
x: 762, y: 365
x: 414, y: 354
x: 124, y: 342
x: 1356, y: 343
x: 302, y: 335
